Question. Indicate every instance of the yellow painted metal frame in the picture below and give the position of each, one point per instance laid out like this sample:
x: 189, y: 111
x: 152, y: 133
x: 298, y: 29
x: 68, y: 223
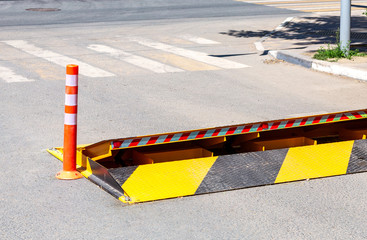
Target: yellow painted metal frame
x: 163, y: 157
x: 102, y: 150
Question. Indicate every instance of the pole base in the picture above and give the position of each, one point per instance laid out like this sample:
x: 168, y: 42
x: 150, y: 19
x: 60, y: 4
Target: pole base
x: 68, y: 175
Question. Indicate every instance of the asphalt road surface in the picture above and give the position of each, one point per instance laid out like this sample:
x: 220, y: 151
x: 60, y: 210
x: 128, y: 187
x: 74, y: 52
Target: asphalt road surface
x: 13, y: 13
x: 142, y: 71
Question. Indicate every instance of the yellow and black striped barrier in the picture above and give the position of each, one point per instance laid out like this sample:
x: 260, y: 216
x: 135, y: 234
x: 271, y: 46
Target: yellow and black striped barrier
x: 220, y: 163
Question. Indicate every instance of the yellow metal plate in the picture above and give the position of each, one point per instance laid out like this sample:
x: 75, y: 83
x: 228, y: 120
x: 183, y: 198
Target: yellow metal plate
x: 167, y: 180
x: 315, y: 161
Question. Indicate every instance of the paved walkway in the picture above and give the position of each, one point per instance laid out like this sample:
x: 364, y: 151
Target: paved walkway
x: 297, y: 39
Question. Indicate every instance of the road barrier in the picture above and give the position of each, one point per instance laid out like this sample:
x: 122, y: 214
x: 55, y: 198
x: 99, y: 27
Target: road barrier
x: 70, y: 125
x: 161, y: 166
x: 148, y: 168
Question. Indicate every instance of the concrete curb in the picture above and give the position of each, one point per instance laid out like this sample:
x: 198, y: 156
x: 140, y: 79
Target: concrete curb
x: 322, y: 66
x: 258, y: 44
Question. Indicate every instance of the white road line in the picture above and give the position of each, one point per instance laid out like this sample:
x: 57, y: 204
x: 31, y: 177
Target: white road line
x: 263, y: 1
x: 267, y: 2
x: 276, y: 2
x: 300, y: 4
x: 10, y: 76
x: 198, y: 56
x: 139, y: 61
x: 259, y: 46
x: 283, y: 24
x: 198, y: 40
x: 85, y: 69
x: 315, y: 8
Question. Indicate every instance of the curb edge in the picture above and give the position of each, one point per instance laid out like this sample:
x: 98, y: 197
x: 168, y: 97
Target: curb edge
x: 320, y: 66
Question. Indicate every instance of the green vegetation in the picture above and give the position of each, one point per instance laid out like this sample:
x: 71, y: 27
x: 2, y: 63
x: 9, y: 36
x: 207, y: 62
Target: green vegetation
x: 335, y: 53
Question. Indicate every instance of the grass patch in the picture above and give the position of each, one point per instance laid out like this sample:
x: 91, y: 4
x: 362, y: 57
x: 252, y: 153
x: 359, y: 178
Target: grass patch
x: 335, y: 53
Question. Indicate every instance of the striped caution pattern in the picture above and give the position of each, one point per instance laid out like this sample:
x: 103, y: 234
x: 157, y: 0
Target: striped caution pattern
x: 308, y: 5
x: 71, y: 96
x: 227, y: 131
x: 70, y: 121
x: 206, y: 175
x: 69, y: 170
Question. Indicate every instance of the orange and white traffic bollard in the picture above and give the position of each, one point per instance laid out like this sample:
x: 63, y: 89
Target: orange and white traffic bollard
x: 70, y: 125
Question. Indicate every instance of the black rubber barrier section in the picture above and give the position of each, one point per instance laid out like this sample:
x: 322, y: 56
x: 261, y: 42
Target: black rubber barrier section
x: 243, y: 170
x: 358, y: 157
x: 122, y: 174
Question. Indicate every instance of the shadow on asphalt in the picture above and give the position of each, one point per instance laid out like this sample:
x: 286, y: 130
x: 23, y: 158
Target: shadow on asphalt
x: 233, y: 55
x: 318, y: 30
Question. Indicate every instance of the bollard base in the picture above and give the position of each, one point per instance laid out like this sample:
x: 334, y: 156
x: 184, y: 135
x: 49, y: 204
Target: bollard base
x: 68, y: 175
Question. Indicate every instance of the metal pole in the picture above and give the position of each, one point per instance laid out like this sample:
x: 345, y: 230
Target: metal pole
x: 345, y: 9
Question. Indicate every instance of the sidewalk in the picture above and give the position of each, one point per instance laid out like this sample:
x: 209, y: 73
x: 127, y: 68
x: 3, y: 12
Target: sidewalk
x: 297, y: 39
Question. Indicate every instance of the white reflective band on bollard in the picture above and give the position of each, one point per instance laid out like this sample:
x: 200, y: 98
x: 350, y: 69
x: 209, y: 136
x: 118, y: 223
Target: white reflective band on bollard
x: 71, y: 99
x: 71, y: 80
x: 70, y: 119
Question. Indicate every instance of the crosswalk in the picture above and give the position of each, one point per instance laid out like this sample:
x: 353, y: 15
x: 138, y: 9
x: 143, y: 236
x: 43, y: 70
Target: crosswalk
x: 198, y: 56
x: 9, y: 76
x: 139, y: 61
x: 309, y: 5
x: 160, y: 57
x: 57, y: 58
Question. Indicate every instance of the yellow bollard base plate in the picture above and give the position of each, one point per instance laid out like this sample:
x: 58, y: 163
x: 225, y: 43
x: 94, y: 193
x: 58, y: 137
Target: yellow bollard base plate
x: 68, y: 175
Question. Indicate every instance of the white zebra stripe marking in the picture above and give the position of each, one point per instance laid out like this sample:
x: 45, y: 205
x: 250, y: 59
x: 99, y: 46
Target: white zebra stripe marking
x: 198, y: 40
x: 301, y: 3
x: 139, y: 61
x: 85, y: 69
x: 10, y: 76
x: 198, y: 56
